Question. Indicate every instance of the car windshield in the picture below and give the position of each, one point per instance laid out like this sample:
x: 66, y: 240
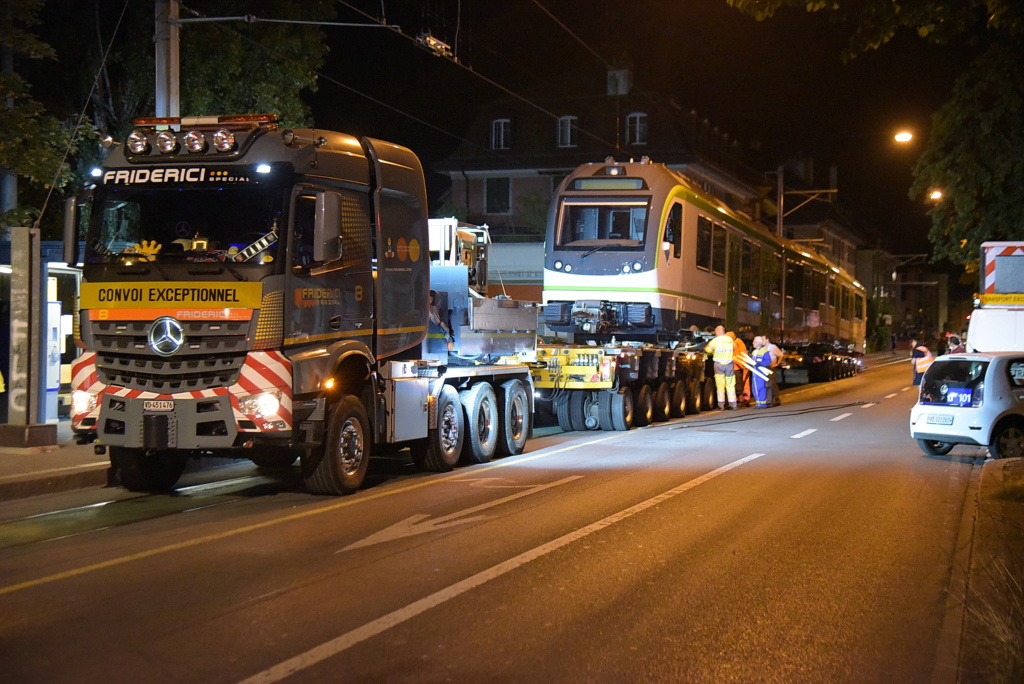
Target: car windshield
x: 238, y: 224
x: 953, y: 381
x: 616, y: 224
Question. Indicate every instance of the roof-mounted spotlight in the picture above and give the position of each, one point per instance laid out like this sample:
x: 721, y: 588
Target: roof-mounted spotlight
x: 438, y: 47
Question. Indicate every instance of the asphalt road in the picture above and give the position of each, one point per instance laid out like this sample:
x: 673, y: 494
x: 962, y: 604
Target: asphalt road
x: 808, y: 543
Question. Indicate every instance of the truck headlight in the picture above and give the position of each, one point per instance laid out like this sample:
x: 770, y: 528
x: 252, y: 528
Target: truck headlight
x: 137, y: 142
x: 261, y: 405
x: 83, y: 402
x: 166, y: 142
x: 195, y: 141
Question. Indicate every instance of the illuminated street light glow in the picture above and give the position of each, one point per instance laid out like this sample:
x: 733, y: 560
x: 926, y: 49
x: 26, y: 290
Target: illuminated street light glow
x: 935, y: 195
x: 904, y: 137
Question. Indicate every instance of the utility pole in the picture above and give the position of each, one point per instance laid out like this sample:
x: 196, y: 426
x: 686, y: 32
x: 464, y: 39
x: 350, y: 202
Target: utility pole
x: 168, y: 74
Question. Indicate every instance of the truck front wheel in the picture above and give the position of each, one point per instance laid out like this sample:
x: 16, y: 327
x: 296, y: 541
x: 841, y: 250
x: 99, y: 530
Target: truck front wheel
x: 138, y: 471
x: 346, y: 451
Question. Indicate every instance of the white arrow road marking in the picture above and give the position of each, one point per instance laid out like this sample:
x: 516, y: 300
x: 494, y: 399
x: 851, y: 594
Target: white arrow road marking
x: 840, y: 417
x: 803, y: 434
x: 346, y: 641
x: 418, y: 524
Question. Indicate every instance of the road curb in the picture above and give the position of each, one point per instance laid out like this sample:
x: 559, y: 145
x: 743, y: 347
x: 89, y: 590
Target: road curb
x: 53, y: 483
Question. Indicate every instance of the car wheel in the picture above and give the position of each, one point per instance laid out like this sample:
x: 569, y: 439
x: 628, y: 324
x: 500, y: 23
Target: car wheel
x: 1007, y: 440
x: 935, y: 448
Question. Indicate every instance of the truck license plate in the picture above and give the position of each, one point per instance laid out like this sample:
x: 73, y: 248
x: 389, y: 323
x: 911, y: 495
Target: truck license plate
x: 940, y: 420
x: 158, y: 405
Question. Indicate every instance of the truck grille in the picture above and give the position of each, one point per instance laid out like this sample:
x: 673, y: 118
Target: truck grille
x: 212, y: 356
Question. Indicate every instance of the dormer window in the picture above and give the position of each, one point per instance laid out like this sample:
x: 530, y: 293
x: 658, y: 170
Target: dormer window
x: 636, y: 128
x: 567, y: 131
x: 501, y: 134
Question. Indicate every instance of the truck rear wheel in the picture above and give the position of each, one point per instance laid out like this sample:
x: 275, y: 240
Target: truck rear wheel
x: 481, y: 408
x: 444, y: 443
x: 516, y: 419
x: 138, y: 471
x: 346, y: 452
x: 709, y: 395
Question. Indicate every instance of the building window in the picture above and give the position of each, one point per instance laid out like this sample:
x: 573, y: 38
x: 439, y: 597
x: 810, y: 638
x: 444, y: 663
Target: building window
x: 501, y: 134
x: 636, y: 129
x: 567, y: 131
x: 498, y: 196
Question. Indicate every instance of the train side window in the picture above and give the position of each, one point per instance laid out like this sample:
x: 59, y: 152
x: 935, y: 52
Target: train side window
x: 718, y: 251
x: 703, y: 243
x: 674, y: 229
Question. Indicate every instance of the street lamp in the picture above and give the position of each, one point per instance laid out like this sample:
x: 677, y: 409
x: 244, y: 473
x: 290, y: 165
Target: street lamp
x: 903, y: 137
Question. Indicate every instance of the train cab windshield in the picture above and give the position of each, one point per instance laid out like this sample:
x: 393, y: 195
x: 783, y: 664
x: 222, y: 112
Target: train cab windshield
x: 600, y: 224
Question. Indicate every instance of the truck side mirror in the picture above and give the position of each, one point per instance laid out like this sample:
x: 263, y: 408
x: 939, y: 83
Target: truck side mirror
x: 71, y: 214
x: 327, y: 228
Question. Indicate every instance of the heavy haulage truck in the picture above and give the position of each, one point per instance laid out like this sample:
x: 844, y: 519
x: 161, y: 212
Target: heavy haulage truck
x: 250, y: 291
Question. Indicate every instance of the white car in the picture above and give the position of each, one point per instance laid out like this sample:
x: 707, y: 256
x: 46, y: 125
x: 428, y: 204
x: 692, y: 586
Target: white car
x: 972, y: 399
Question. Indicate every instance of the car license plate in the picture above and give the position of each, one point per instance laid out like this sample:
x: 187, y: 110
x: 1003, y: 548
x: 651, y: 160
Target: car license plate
x: 158, y: 405
x: 940, y: 420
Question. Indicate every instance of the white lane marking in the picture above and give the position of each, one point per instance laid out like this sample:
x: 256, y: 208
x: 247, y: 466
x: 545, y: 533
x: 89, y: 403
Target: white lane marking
x: 890, y: 396
x: 349, y: 501
x: 345, y: 641
x: 840, y: 417
x: 801, y: 435
x: 907, y: 388
x: 868, y: 405
x: 418, y: 524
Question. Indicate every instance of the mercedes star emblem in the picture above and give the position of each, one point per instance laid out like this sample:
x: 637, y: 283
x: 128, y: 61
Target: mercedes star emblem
x: 166, y: 336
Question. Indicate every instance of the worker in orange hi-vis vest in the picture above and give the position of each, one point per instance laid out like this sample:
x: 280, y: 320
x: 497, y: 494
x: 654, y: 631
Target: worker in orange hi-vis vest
x: 721, y: 351
x: 739, y: 350
x: 921, y: 357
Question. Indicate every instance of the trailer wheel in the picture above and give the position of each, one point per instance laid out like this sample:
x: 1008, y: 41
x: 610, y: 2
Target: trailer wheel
x: 481, y: 408
x: 662, y: 403
x: 694, y: 401
x: 444, y: 443
x: 345, y: 455
x: 604, y: 411
x: 709, y: 397
x: 564, y: 411
x: 516, y: 419
x: 583, y: 410
x: 621, y: 409
x: 678, y: 405
x: 643, y: 407
x: 138, y: 471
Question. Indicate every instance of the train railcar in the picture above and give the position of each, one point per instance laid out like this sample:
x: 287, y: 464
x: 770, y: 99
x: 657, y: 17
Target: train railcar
x: 637, y: 251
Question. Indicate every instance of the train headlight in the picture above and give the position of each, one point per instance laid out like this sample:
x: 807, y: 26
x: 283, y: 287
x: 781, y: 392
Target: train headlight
x: 637, y: 266
x: 166, y: 142
x: 195, y: 141
x: 223, y: 140
x: 568, y: 268
x: 625, y: 268
x: 137, y: 142
x: 558, y: 265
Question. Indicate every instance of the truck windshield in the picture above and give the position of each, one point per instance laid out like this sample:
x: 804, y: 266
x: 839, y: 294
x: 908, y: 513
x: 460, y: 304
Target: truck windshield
x: 616, y: 224
x: 197, y: 224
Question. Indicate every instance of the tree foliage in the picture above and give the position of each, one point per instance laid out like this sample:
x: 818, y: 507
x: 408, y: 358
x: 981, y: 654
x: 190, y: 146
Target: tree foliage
x: 33, y: 142
x: 975, y: 151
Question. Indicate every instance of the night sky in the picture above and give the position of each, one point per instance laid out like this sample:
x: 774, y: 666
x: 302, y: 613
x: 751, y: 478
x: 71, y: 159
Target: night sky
x: 778, y: 86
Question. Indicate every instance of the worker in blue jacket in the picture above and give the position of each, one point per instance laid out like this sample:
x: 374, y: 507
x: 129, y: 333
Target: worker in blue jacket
x: 759, y: 381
